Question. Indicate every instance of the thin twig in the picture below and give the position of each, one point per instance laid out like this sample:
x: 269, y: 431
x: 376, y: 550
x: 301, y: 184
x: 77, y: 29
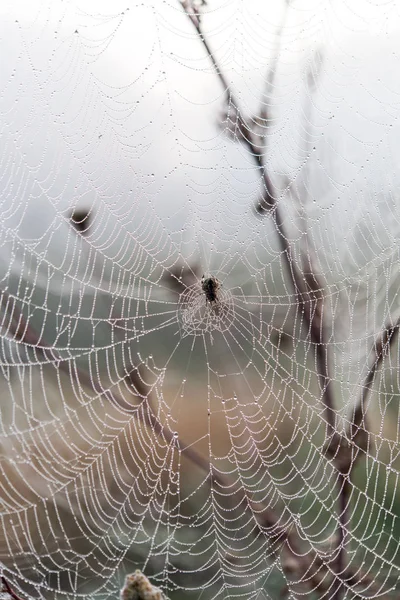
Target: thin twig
x: 8, y: 589
x: 347, y: 450
x: 318, y: 332
x: 382, y: 347
x: 308, y: 290
x: 194, y: 15
x: 270, y: 80
x: 306, y: 307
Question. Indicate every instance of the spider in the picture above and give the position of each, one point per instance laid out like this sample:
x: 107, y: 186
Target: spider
x: 210, y: 287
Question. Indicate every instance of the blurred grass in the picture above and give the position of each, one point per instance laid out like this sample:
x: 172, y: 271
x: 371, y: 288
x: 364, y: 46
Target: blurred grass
x: 290, y: 466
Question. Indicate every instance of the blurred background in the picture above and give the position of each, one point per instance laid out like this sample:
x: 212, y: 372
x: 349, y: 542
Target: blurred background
x: 121, y: 185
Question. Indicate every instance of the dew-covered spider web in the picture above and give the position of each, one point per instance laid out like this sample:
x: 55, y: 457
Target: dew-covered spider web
x: 199, y: 275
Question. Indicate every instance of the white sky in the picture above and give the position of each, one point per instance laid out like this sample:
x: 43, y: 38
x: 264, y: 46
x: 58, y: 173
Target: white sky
x: 127, y: 108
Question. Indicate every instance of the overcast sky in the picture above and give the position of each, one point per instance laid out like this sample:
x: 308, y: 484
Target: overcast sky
x: 118, y: 109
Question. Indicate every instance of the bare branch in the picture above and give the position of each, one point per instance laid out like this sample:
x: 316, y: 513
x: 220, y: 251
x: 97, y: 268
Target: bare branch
x: 194, y: 14
x: 307, y: 286
x: 347, y: 450
x: 269, y: 88
x: 7, y: 588
x: 382, y: 347
x: 311, y: 311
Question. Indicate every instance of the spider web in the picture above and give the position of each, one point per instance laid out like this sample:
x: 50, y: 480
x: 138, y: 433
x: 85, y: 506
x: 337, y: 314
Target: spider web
x: 144, y: 424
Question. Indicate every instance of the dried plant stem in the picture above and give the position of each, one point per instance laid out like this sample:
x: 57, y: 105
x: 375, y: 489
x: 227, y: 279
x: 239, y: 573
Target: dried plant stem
x: 269, y: 90
x: 349, y: 449
x: 268, y: 195
x: 382, y: 347
x: 308, y: 288
x: 311, y: 313
x: 7, y: 588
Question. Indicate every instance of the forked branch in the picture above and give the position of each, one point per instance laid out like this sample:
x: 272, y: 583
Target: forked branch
x: 306, y: 290
x: 382, y: 347
x: 307, y: 286
x: 348, y: 450
x: 242, y: 127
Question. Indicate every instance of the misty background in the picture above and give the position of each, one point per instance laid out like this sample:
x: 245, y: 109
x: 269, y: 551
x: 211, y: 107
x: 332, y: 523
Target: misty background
x: 117, y: 110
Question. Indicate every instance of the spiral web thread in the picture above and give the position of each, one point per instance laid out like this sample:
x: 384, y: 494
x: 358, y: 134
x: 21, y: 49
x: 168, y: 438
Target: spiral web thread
x: 144, y: 425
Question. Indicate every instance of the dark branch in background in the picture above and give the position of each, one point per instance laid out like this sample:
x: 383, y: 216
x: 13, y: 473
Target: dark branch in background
x: 308, y: 288
x: 319, y: 328
x: 382, y: 347
x: 270, y: 79
x: 306, y: 306
x: 349, y: 449
x: 241, y: 126
x: 310, y: 299
x: 8, y: 590
x: 318, y: 322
